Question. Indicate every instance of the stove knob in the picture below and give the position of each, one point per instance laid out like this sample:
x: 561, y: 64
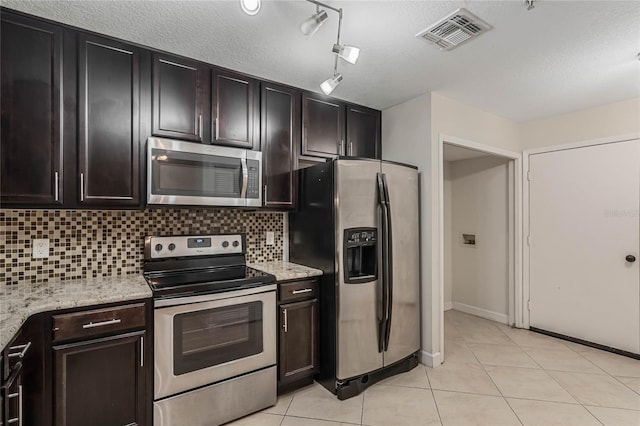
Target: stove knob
x: 236, y: 244
x: 158, y: 247
x: 225, y: 244
x: 172, y: 247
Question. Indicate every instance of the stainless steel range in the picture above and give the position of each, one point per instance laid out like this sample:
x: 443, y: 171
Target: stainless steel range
x: 214, y: 330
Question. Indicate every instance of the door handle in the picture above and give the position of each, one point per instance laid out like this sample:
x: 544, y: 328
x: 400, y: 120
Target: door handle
x: 245, y: 177
x: 630, y: 258
x: 285, y: 326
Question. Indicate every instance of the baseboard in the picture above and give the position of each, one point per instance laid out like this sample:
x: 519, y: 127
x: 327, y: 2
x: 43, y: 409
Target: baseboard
x: 479, y: 312
x: 448, y: 306
x: 430, y: 360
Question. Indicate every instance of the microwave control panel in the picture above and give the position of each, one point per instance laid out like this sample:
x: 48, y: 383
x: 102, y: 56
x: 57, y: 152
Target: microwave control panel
x: 253, y: 182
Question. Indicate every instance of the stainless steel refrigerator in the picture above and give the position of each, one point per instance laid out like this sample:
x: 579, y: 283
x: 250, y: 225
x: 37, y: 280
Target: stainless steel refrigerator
x: 357, y: 221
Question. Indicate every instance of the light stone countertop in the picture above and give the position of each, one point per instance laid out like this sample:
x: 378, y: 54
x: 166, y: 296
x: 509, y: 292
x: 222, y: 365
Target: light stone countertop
x: 19, y: 302
x: 284, y: 271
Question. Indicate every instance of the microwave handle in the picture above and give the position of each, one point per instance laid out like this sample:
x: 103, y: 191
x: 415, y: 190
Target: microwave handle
x: 245, y: 178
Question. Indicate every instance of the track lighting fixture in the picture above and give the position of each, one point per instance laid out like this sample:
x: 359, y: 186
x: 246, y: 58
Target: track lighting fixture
x: 314, y: 22
x: 529, y: 4
x: 348, y: 53
x: 250, y: 7
x: 330, y: 84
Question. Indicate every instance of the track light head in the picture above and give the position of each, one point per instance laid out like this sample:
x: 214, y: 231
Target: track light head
x: 311, y: 24
x: 348, y: 53
x: 330, y: 84
x: 250, y: 7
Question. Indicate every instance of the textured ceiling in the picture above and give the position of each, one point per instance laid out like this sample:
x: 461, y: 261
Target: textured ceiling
x: 562, y: 56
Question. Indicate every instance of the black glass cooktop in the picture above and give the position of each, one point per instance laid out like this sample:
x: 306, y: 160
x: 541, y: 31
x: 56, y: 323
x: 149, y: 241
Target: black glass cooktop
x: 205, y: 280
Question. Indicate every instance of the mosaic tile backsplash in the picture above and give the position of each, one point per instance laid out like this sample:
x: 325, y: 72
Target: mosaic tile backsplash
x: 94, y: 243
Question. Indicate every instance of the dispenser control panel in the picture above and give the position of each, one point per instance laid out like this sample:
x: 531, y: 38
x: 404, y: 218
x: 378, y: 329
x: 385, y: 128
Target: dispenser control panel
x: 359, y: 236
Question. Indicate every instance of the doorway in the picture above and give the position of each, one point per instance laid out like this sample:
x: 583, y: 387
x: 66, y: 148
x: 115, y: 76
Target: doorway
x: 480, y: 232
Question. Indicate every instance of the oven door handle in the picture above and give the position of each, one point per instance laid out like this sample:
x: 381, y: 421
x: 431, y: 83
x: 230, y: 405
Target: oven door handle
x: 245, y: 178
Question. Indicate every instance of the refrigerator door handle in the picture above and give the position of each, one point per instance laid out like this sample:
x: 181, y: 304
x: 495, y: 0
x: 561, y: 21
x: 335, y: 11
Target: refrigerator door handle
x: 388, y: 250
x: 382, y: 299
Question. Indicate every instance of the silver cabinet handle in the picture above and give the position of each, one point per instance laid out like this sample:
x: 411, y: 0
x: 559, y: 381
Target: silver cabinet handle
x: 200, y: 126
x: 22, y: 348
x: 56, y: 188
x: 350, y: 148
x: 265, y: 195
x: 18, y: 419
x: 20, y: 405
x: 306, y: 290
x: 340, y: 150
x: 217, y: 132
x: 81, y: 186
x: 141, y: 351
x: 245, y: 177
x: 286, y: 328
x: 102, y: 323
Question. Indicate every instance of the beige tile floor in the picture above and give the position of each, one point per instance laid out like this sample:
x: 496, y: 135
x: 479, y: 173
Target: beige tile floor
x: 492, y: 375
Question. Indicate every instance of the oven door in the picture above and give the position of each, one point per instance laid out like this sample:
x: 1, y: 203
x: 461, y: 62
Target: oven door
x: 201, y: 340
x: 186, y: 173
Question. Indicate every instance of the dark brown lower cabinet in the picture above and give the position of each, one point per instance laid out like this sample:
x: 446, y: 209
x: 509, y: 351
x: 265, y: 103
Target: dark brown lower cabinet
x: 298, y: 336
x: 100, y: 382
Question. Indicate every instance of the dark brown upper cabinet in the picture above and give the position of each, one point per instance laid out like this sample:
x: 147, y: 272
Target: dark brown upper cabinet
x: 31, y: 148
x: 234, y: 110
x: 280, y: 135
x: 179, y: 86
x: 363, y: 132
x: 108, y: 122
x: 322, y: 126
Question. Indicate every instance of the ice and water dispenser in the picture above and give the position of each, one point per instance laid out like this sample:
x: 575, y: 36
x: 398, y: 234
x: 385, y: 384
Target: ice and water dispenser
x: 360, y: 255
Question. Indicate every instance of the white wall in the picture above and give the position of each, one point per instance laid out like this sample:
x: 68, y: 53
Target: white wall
x: 479, y: 205
x: 447, y: 222
x: 406, y: 132
x: 620, y: 118
x: 453, y: 118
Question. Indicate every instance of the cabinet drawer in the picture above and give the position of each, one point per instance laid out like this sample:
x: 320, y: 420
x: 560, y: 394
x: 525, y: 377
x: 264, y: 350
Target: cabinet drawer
x: 298, y: 290
x: 95, y: 322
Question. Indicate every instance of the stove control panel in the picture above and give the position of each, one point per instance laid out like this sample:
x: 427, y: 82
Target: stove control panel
x: 193, y: 245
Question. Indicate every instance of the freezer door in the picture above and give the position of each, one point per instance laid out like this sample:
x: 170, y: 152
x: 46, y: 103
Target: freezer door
x: 358, y: 305
x: 404, y: 336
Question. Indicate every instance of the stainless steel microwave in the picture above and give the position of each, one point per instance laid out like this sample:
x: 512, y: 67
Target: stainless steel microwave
x: 192, y: 174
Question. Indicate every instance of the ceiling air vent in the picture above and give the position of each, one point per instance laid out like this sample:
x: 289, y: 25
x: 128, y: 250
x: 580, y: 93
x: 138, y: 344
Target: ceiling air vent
x: 455, y: 29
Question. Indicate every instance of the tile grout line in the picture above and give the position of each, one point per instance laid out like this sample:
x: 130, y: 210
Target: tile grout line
x: 494, y: 384
x: 617, y: 378
x: 549, y: 375
x: 433, y: 395
x: 362, y: 408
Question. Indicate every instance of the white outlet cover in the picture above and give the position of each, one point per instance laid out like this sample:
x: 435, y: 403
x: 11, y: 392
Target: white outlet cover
x: 271, y: 238
x: 40, y: 249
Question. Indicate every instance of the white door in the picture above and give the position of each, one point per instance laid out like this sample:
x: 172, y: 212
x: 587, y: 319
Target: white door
x: 584, y: 222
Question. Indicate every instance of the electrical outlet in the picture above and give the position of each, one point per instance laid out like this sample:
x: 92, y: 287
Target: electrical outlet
x: 271, y: 238
x: 40, y: 249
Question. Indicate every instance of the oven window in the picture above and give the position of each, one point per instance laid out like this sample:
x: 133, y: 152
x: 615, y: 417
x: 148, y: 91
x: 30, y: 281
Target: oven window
x: 197, y: 175
x: 214, y: 336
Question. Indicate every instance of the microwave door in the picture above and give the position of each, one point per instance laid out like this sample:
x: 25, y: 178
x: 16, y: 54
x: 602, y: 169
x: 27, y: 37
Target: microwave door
x: 184, y: 173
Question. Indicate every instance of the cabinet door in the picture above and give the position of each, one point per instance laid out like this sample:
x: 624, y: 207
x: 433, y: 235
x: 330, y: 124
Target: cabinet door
x: 298, y: 355
x: 178, y: 87
x: 31, y: 160
x: 363, y: 132
x: 100, y: 382
x: 108, y: 111
x: 234, y: 100
x: 280, y: 128
x: 322, y: 126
